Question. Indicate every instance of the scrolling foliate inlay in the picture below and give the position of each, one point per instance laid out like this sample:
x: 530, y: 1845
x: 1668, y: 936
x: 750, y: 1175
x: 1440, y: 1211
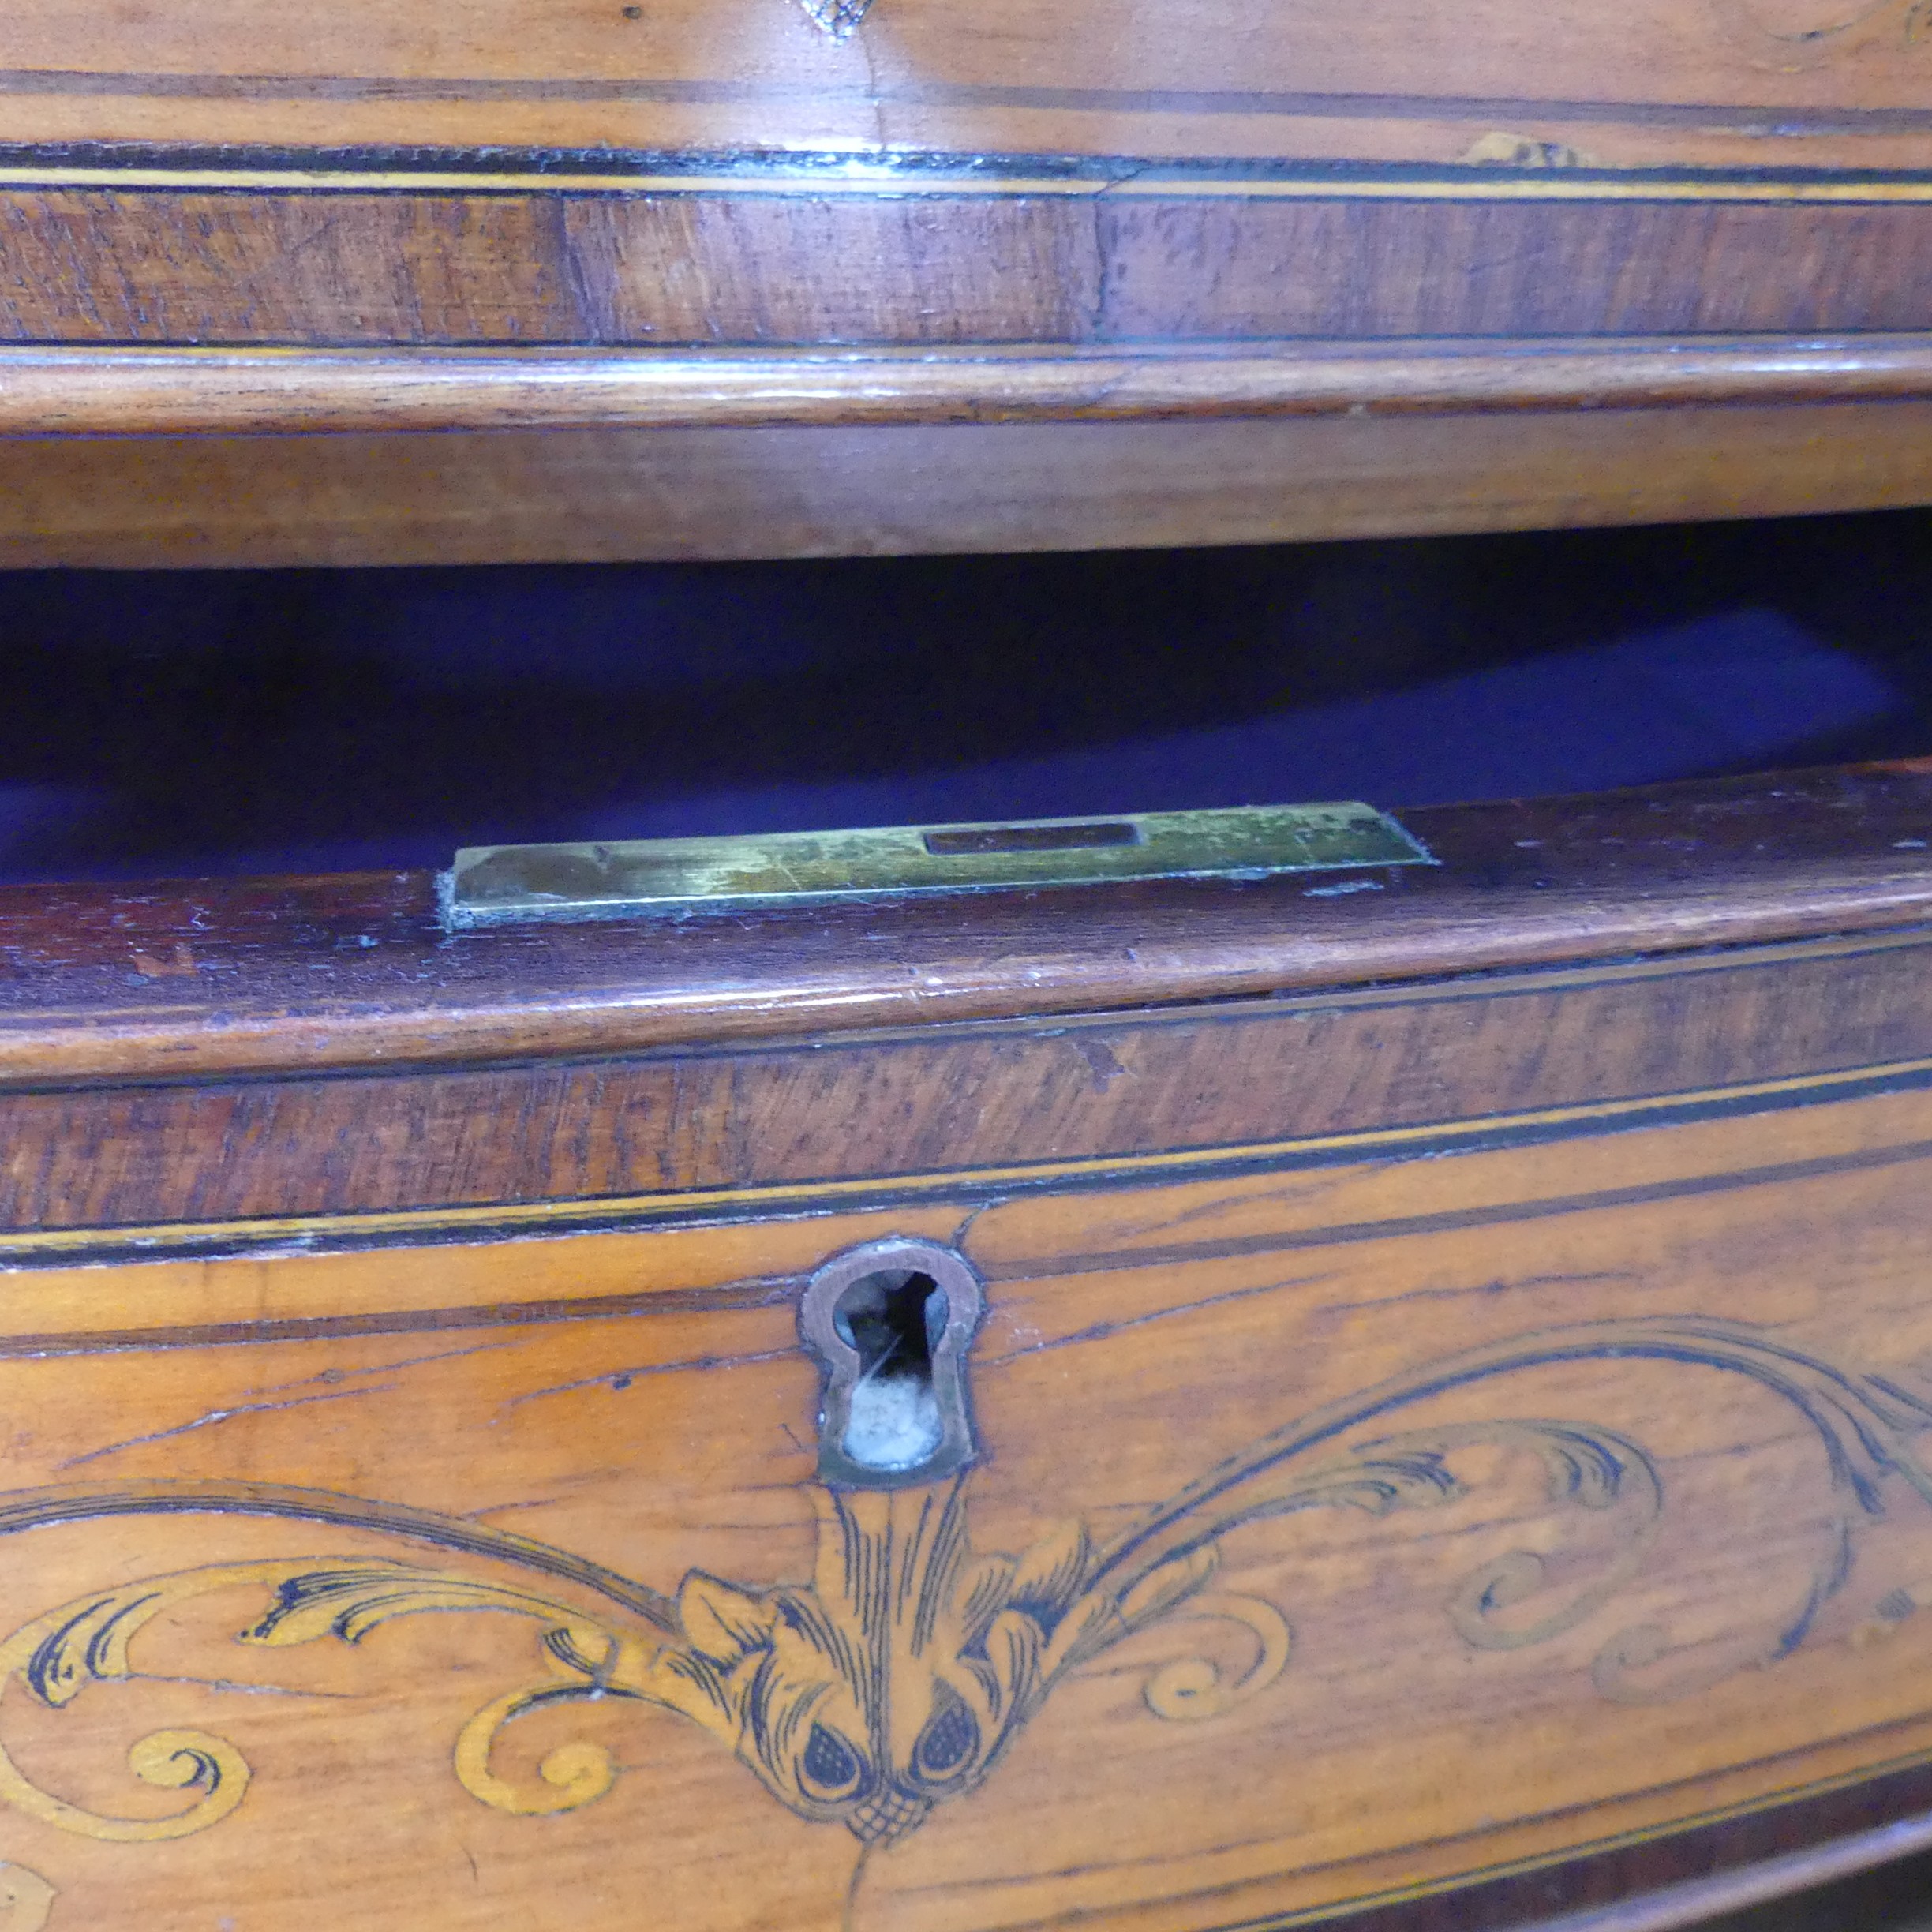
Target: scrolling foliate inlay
x: 893, y: 1680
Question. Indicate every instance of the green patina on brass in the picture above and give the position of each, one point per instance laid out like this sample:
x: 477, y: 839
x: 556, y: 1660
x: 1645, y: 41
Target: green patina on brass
x: 503, y: 884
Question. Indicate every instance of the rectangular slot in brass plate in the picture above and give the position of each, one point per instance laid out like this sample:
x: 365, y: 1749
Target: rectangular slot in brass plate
x: 510, y: 885
x: 1056, y: 836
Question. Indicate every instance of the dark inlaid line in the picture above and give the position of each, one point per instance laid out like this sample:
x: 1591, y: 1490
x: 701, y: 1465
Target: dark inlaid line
x: 1449, y: 1220
x: 727, y: 1298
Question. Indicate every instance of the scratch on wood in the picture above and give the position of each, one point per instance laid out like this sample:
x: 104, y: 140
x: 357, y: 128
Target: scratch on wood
x: 504, y: 1509
x: 1100, y: 1331
x: 334, y: 1376
x: 617, y: 1380
x: 221, y: 1415
x: 1464, y: 1290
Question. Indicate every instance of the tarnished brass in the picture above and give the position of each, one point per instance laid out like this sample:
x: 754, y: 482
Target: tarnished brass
x: 507, y: 884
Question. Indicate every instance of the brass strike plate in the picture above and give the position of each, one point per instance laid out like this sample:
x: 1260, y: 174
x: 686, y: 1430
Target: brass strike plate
x: 511, y: 884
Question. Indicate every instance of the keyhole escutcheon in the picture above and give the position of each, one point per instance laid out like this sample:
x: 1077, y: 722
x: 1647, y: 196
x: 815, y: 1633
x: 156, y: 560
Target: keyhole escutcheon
x: 890, y: 1323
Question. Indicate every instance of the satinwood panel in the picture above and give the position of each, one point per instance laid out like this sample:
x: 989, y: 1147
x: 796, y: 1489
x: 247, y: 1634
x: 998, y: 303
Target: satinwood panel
x: 1337, y: 1528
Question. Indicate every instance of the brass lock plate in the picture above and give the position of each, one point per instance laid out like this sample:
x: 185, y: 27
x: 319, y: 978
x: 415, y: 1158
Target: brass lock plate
x: 511, y: 884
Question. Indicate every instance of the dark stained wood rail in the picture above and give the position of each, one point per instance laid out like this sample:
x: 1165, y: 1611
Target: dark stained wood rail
x: 227, y: 976
x: 1690, y: 1878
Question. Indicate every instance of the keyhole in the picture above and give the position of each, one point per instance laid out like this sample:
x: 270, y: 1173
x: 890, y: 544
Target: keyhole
x: 891, y: 1322
x: 893, y: 1318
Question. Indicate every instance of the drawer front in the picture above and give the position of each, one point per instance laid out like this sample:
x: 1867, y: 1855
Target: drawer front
x: 1657, y: 82
x: 1501, y: 1441
x: 908, y: 174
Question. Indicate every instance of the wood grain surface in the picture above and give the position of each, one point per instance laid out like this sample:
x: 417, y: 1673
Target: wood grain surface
x: 1568, y: 1496
x: 800, y: 175
x: 505, y: 495
x: 1148, y: 176
x: 129, y: 265
x: 1443, y: 1451
x: 679, y: 1136
x: 148, y: 392
x: 236, y: 975
x: 1146, y: 314
x: 1745, y: 82
x: 829, y: 491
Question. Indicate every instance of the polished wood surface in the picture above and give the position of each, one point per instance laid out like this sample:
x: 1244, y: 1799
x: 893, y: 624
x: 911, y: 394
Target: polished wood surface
x: 895, y: 450
x: 175, y: 392
x: 1162, y: 265
x: 1444, y: 1445
x: 224, y: 976
x: 1806, y: 1888
x: 793, y: 1127
x: 1555, y: 1330
x: 1742, y: 83
x: 1507, y: 1285
x: 590, y: 495
x: 1207, y: 212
